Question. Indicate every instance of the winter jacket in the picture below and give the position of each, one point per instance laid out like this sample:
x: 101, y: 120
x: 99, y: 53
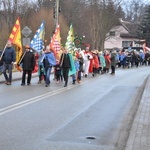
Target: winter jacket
x: 113, y: 59
x: 28, y: 61
x: 9, y: 55
x: 65, y: 61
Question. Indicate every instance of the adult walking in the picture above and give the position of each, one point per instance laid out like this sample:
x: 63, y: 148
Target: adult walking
x: 49, y: 61
x: 65, y: 63
x: 87, y: 57
x: 1, y: 64
x: 28, y: 63
x: 8, y: 58
x: 113, y: 62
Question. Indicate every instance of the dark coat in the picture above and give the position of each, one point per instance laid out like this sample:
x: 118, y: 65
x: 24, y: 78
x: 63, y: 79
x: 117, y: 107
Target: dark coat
x: 28, y: 61
x: 113, y: 59
x: 65, y: 61
x: 57, y: 69
x: 1, y: 62
x: 9, y: 55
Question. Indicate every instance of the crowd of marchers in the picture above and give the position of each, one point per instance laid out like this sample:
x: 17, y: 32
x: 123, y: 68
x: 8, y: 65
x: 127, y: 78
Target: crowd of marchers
x: 76, y: 63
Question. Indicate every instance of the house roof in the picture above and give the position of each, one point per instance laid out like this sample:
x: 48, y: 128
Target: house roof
x: 130, y: 27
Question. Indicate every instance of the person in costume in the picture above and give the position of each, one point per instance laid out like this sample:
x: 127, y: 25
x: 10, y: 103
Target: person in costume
x: 75, y: 75
x: 94, y: 65
x: 102, y: 62
x: 49, y: 61
x: 107, y: 61
x: 87, y: 58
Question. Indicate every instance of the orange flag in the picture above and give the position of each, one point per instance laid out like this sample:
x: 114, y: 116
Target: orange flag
x: 55, y: 43
x: 15, y: 38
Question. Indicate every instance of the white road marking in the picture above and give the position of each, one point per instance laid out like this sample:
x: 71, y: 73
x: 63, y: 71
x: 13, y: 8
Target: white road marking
x: 32, y: 100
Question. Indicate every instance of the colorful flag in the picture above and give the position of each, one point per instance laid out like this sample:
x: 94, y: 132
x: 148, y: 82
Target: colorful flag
x: 55, y: 43
x: 70, y: 39
x: 15, y: 38
x: 37, y: 43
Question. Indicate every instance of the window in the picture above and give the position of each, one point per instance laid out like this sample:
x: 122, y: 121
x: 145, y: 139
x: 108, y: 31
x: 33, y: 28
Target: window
x: 126, y: 43
x: 112, y: 33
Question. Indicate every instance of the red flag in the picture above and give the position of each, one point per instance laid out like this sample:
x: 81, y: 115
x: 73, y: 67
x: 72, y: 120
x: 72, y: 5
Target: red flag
x: 55, y: 42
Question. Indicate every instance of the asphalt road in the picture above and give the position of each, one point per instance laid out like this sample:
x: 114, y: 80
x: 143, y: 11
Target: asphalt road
x: 85, y: 116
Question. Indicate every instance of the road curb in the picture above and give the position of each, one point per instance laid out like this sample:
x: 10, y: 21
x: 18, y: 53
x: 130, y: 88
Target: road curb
x: 131, y: 114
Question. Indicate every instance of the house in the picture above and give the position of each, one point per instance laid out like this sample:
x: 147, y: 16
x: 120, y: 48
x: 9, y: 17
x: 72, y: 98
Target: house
x: 122, y: 35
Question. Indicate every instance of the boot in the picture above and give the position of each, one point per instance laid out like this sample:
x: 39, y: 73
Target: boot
x: 74, y: 82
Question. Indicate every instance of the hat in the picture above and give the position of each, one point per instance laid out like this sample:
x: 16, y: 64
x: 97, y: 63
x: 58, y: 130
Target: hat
x: 27, y: 46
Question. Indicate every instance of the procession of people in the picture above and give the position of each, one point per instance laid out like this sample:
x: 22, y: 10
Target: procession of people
x: 76, y: 63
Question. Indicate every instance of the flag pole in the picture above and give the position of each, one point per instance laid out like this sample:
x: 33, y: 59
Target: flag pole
x: 21, y: 58
x: 3, y: 52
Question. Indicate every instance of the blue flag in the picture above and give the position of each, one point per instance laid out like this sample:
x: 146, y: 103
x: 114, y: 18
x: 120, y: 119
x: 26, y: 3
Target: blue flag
x: 37, y: 42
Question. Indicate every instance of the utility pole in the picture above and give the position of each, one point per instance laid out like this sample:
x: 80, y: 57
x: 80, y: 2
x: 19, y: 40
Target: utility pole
x: 56, y: 11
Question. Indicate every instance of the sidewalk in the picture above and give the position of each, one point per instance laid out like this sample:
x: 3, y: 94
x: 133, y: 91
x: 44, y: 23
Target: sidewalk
x: 139, y: 138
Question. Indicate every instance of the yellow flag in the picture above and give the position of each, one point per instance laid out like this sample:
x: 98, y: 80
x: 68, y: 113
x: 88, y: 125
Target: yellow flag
x: 15, y: 38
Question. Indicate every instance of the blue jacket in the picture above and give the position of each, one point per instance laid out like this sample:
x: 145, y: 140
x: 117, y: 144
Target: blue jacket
x: 9, y: 55
x: 77, y: 65
x: 49, y: 60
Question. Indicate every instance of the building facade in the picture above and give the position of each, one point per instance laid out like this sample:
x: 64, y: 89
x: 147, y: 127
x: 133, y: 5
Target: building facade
x: 122, y: 35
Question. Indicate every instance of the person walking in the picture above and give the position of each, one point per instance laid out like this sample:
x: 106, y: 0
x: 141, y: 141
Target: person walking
x: 41, y: 69
x: 49, y: 61
x: 8, y: 58
x: 113, y: 62
x: 1, y: 64
x: 107, y: 61
x: 28, y: 63
x: 65, y: 63
x: 57, y: 71
x: 81, y: 70
x: 87, y: 58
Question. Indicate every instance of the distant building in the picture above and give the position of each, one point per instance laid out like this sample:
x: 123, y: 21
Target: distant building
x: 122, y: 35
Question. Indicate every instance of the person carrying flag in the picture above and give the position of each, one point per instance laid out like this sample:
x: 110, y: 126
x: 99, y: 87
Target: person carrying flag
x: 28, y: 63
x: 9, y: 59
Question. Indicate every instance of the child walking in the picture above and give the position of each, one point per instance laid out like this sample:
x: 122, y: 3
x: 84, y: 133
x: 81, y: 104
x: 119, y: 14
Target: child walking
x: 58, y: 74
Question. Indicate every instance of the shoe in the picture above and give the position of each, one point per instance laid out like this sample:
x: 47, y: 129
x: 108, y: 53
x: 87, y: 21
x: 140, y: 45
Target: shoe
x: 39, y: 82
x: 22, y: 84
x: 65, y: 85
x: 5, y: 82
x: 28, y: 83
x: 79, y: 81
x: 8, y: 83
x: 112, y: 73
x: 85, y: 75
x: 46, y: 85
x: 74, y: 82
